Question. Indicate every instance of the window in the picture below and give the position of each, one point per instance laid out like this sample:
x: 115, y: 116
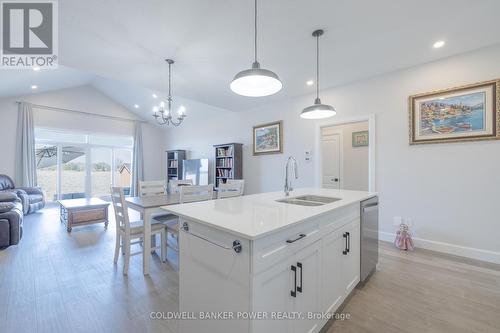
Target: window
x: 76, y: 165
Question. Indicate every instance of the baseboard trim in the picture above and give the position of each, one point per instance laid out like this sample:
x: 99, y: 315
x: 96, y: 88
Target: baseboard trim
x: 463, y: 251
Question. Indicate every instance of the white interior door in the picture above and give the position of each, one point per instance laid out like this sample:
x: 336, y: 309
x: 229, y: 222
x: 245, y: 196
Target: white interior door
x: 331, y: 161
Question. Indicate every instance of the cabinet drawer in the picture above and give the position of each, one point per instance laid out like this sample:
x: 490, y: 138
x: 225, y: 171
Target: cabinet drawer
x: 88, y: 215
x: 272, y: 249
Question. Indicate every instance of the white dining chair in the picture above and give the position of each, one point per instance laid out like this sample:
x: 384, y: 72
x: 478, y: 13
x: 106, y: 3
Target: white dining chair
x: 174, y: 185
x: 196, y: 193
x: 189, y: 194
x: 127, y: 231
x: 237, y: 181
x: 151, y: 188
x: 229, y: 190
x: 155, y: 188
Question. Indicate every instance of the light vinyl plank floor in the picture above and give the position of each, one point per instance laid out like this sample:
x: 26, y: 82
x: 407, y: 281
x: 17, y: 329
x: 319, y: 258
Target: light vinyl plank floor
x: 59, y: 282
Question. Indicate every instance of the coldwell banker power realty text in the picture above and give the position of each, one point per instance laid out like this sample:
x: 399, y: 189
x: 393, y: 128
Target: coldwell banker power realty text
x: 29, y: 34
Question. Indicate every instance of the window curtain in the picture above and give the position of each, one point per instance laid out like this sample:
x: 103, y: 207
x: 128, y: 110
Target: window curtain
x: 137, y: 161
x: 25, y: 147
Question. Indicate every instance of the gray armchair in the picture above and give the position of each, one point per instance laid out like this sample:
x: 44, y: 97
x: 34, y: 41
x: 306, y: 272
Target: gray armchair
x: 32, y: 198
x: 11, y: 219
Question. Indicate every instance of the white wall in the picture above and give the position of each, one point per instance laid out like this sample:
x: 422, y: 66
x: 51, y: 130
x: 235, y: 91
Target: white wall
x: 85, y: 99
x: 451, y: 191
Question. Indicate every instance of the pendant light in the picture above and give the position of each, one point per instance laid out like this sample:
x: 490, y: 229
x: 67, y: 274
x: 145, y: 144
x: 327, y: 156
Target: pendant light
x: 256, y: 81
x: 318, y: 110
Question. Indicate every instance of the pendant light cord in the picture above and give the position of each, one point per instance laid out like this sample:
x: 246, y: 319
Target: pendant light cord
x: 317, y: 67
x: 169, y: 80
x: 255, y: 31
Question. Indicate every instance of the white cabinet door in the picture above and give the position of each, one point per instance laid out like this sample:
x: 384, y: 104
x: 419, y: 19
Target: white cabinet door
x: 330, y: 161
x: 272, y: 295
x: 350, y: 262
x: 308, y: 298
x: 332, y: 289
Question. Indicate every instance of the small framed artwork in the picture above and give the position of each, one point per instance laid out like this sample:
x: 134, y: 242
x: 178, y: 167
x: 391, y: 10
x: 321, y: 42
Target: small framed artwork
x: 268, y: 138
x: 360, y: 139
x: 465, y: 113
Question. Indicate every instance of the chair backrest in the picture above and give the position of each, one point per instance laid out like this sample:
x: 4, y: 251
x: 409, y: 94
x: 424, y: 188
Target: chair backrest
x: 174, y: 185
x: 120, y: 208
x: 196, y: 193
x: 229, y: 190
x: 237, y: 181
x: 151, y: 188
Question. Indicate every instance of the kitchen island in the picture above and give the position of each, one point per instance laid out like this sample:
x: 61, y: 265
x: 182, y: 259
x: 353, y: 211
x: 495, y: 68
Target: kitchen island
x: 266, y: 262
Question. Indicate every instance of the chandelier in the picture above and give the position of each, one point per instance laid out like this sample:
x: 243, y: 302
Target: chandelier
x: 163, y: 113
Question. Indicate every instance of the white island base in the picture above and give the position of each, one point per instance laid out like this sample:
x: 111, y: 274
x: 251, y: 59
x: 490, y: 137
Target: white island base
x: 288, y: 278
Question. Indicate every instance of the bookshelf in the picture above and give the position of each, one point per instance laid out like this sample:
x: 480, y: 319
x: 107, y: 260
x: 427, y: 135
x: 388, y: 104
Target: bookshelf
x: 228, y: 162
x: 174, y: 164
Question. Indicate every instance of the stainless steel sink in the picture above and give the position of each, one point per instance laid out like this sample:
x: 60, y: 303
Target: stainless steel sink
x: 317, y: 198
x: 309, y: 200
x: 294, y: 201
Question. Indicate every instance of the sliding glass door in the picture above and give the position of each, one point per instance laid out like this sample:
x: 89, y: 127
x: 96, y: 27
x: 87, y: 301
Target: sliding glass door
x: 123, y: 169
x: 73, y: 165
x: 46, y: 169
x: 101, y: 177
x: 73, y: 172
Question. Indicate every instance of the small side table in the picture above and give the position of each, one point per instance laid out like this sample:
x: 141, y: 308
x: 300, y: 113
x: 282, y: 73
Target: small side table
x: 76, y: 212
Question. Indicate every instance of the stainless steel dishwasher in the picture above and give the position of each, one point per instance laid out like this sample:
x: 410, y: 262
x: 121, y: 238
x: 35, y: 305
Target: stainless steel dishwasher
x: 369, y: 237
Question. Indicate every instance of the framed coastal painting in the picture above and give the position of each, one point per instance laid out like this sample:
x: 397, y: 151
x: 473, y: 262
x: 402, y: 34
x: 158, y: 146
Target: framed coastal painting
x: 268, y: 138
x: 360, y: 139
x: 465, y: 113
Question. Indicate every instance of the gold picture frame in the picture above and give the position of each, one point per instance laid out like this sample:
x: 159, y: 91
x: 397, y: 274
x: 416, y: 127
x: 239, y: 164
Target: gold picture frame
x: 268, y: 138
x: 465, y: 113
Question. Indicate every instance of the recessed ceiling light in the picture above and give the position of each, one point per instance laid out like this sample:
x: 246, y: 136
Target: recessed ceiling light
x: 438, y: 44
x: 155, y: 96
x: 36, y: 68
x: 34, y: 87
x: 310, y: 82
x: 136, y: 106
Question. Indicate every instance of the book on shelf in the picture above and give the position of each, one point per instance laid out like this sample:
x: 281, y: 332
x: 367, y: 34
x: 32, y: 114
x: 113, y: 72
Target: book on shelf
x: 225, y: 173
x: 225, y: 163
x: 173, y: 164
x: 225, y: 151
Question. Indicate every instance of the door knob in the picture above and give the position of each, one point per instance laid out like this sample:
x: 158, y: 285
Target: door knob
x: 335, y: 179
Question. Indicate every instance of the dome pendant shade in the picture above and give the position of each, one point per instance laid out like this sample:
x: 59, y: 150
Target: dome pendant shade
x: 256, y: 82
x: 318, y: 111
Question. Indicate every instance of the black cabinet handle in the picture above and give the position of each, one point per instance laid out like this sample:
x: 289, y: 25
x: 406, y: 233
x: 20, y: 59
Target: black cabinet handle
x: 299, y: 265
x: 344, y: 235
x: 296, y: 239
x: 293, y: 293
x: 348, y: 242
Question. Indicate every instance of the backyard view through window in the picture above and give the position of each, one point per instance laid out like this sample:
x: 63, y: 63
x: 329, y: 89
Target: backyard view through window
x: 73, y: 165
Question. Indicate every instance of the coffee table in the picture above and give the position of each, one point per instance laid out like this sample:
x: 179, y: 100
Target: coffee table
x: 76, y: 212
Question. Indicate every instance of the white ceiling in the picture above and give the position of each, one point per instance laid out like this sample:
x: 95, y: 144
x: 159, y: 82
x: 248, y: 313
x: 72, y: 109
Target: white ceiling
x: 212, y: 40
x: 128, y: 40
x: 17, y: 82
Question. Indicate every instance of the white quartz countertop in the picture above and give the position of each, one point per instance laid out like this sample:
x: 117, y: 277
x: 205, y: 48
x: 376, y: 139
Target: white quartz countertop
x: 254, y: 216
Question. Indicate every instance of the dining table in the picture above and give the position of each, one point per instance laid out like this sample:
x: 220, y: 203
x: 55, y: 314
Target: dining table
x: 148, y: 206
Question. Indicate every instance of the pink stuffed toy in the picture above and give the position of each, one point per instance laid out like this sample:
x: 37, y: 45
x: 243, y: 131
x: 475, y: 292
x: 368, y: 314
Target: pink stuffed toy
x: 403, y: 239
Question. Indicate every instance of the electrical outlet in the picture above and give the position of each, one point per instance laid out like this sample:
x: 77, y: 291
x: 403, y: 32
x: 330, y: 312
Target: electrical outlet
x: 397, y: 220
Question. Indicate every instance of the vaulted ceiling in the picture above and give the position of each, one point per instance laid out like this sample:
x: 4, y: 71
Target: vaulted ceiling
x: 128, y: 40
